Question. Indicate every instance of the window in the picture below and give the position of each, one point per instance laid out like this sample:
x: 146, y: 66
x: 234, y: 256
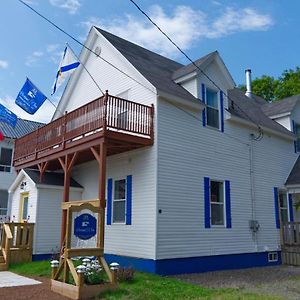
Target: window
x: 24, y: 207
x: 283, y: 206
x: 272, y: 256
x: 217, y: 202
x: 212, y: 110
x: 3, y: 202
x: 5, y: 159
x: 119, y: 201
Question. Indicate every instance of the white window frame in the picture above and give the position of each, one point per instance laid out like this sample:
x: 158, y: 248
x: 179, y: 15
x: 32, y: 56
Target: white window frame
x: 219, y: 107
x: 119, y: 200
x: 284, y: 192
x: 218, y: 203
x: 11, y: 164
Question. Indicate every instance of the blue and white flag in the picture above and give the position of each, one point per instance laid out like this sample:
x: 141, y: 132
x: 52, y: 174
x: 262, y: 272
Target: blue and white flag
x: 67, y: 66
x: 30, y: 98
x: 8, y: 116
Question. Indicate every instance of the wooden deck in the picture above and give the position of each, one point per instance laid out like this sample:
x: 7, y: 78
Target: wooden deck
x: 290, y: 240
x: 125, y: 125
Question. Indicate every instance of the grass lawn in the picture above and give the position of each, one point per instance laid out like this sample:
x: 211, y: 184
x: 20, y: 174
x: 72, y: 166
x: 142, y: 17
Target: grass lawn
x: 150, y: 287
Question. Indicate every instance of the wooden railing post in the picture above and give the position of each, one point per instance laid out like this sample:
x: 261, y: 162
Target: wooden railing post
x: 152, y: 123
x: 105, y: 111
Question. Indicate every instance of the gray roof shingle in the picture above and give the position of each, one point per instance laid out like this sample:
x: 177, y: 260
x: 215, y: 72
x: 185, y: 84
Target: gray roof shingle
x: 294, y: 177
x: 50, y: 178
x: 157, y: 69
x: 245, y: 108
x: 282, y: 106
x: 22, y: 128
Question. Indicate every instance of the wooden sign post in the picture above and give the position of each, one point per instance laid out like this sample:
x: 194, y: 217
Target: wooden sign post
x: 85, y: 227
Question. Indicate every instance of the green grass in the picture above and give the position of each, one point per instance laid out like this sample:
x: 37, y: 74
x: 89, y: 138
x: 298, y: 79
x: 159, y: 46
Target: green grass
x: 150, y: 287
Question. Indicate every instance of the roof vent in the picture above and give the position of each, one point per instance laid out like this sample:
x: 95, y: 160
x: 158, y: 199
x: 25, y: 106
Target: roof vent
x: 248, y: 83
x: 98, y: 51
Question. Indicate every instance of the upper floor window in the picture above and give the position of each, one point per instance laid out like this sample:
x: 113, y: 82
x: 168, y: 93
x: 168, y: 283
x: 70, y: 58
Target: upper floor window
x: 212, y: 111
x: 3, y: 203
x: 5, y: 159
x: 297, y: 132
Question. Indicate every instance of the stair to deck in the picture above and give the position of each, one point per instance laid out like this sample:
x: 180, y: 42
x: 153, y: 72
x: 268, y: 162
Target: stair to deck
x: 3, y: 266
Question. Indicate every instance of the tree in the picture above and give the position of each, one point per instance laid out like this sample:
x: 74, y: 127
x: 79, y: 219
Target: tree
x: 271, y: 89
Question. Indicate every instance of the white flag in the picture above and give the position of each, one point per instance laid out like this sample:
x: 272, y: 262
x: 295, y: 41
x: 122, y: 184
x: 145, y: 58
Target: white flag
x: 67, y: 66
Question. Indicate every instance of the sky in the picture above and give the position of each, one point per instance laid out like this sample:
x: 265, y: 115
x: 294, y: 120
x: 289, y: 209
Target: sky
x: 259, y: 34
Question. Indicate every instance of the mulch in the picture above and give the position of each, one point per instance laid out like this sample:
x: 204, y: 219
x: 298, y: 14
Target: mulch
x: 33, y: 292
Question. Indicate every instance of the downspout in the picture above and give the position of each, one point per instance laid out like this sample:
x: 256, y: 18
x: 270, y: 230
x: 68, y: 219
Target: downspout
x: 252, y: 189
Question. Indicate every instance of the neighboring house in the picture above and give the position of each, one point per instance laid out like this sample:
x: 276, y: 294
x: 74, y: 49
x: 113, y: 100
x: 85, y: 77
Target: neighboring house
x: 7, y: 173
x: 200, y: 194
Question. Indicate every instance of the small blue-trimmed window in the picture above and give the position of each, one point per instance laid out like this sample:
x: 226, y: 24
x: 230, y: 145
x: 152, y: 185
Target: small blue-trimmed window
x: 119, y: 201
x: 213, y: 114
x: 283, y: 207
x: 217, y: 203
x: 296, y: 131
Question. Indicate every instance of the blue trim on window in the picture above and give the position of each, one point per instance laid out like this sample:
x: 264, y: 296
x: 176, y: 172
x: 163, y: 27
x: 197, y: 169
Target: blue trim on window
x: 206, y: 202
x: 128, y: 199
x: 203, y: 94
x: 276, y: 206
x: 291, y: 212
x: 195, y: 264
x: 228, y: 204
x: 222, y: 110
x: 109, y: 201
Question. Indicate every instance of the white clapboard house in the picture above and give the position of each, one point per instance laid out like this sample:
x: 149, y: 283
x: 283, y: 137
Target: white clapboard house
x: 208, y: 193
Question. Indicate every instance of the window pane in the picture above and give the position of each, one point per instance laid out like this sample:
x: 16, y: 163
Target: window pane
x: 211, y: 98
x: 212, y: 117
x: 282, y: 200
x: 25, y: 208
x: 5, y: 157
x: 284, y: 215
x: 217, y: 214
x: 3, y: 199
x: 216, y: 191
x: 120, y: 189
x: 119, y: 211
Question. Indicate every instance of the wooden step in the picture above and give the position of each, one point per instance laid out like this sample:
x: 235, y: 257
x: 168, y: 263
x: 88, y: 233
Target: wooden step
x: 3, y: 267
x: 2, y: 259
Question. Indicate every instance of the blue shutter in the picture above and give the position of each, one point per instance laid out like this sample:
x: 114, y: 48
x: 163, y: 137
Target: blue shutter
x: 228, y: 204
x: 295, y: 132
x: 109, y: 201
x: 277, y: 220
x: 206, y: 202
x: 203, y: 93
x: 222, y: 110
x: 291, y: 212
x: 128, y: 199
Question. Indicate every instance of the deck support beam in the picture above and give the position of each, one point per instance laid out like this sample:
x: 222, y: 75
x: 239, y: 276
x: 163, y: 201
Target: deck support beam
x: 42, y: 168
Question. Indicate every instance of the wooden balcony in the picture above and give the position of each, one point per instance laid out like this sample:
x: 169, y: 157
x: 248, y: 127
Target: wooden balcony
x: 125, y: 125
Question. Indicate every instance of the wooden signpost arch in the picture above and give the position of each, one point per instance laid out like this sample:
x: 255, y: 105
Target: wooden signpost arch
x: 61, y: 274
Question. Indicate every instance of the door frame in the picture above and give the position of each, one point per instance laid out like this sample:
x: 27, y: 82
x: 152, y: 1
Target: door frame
x: 23, y: 196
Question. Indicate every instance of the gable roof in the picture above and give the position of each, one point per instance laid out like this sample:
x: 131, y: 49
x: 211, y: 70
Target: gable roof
x: 23, y: 127
x: 50, y: 178
x: 294, y: 176
x: 157, y: 69
x: 282, y: 106
x: 185, y: 70
x: 245, y: 105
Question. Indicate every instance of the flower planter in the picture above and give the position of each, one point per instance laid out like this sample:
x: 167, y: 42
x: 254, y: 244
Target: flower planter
x: 80, y: 292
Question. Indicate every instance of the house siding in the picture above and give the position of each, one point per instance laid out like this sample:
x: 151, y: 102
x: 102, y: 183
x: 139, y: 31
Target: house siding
x: 188, y: 152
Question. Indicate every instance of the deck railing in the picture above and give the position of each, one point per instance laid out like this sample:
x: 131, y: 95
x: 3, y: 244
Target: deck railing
x: 291, y: 234
x: 105, y: 113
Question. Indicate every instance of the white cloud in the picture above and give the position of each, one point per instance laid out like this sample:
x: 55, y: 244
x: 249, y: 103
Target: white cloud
x: 71, y: 6
x: 184, y: 25
x: 3, y: 64
x: 33, y: 58
x: 44, y: 114
x: 55, y: 51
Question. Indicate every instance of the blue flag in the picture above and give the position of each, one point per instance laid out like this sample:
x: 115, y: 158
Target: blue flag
x: 30, y: 97
x: 8, y: 116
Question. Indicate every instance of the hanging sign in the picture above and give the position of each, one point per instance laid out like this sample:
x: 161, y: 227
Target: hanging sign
x: 85, y: 226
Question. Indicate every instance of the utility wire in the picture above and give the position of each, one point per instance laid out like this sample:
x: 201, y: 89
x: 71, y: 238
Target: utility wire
x: 83, y: 45
x: 188, y: 58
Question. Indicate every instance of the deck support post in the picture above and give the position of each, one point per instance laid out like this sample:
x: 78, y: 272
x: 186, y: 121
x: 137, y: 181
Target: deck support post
x: 42, y: 168
x: 66, y: 163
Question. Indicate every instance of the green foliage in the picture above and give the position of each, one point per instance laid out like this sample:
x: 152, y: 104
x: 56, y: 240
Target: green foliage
x: 39, y: 268
x: 272, y: 89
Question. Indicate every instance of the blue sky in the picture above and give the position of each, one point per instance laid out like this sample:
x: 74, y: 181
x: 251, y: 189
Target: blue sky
x: 261, y: 35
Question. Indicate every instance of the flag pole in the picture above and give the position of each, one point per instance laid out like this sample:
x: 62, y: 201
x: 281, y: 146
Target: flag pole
x: 97, y: 85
